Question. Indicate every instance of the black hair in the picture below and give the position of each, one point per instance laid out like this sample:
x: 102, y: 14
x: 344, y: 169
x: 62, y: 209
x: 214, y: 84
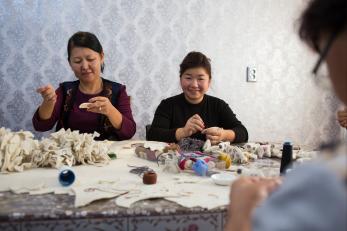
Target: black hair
x: 195, y: 59
x: 87, y: 40
x: 322, y: 18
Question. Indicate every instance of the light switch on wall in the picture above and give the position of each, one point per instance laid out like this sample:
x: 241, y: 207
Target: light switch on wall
x: 251, y: 74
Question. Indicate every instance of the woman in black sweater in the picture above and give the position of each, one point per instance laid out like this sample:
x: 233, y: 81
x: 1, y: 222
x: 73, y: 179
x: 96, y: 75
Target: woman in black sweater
x: 193, y: 113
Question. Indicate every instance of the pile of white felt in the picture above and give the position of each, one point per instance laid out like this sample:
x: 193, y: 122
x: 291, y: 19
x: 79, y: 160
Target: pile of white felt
x: 20, y: 151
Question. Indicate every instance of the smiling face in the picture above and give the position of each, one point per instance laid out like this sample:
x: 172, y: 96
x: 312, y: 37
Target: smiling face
x: 86, y: 64
x: 195, y: 83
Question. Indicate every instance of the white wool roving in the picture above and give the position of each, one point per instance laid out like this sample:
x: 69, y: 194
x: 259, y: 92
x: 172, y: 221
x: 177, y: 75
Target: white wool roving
x: 19, y: 150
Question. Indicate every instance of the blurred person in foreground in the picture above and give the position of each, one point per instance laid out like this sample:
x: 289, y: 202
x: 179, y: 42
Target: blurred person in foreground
x: 312, y: 196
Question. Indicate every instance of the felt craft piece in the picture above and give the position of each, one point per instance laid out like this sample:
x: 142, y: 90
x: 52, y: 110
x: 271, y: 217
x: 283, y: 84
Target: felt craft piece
x: 226, y: 158
x: 32, y: 188
x: 246, y: 153
x: 100, y: 190
x: 84, y: 105
x: 171, y: 147
x: 169, y: 162
x: 148, y: 192
x: 140, y: 170
x: 205, y: 194
x: 200, y: 167
x: 251, y: 147
x: 154, y: 145
x: 147, y: 153
x: 149, y: 150
x: 208, y: 148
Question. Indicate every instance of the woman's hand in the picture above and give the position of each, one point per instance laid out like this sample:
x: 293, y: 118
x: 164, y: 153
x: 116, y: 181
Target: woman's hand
x: 342, y: 117
x: 48, y: 94
x: 247, y: 193
x: 193, y: 125
x: 214, y: 134
x: 49, y: 99
x: 101, y: 105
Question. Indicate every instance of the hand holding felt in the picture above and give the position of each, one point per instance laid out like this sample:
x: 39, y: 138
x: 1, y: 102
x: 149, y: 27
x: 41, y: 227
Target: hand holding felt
x: 214, y: 134
x: 48, y: 94
x: 194, y: 124
x: 101, y: 105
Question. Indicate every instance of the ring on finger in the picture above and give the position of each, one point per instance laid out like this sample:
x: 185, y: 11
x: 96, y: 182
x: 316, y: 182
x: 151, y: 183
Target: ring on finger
x: 100, y: 108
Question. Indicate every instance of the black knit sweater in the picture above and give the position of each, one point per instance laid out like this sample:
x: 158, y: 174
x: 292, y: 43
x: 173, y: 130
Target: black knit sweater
x: 173, y: 113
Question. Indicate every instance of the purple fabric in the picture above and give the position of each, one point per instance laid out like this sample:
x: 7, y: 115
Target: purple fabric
x: 87, y: 122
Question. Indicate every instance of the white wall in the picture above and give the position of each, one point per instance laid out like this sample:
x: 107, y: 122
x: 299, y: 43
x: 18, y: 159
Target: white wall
x: 144, y: 42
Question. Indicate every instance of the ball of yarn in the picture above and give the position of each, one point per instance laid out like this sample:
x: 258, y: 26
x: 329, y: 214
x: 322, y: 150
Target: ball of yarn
x: 190, y: 144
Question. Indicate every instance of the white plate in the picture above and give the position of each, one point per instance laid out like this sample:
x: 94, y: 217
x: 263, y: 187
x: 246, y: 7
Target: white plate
x: 223, y: 178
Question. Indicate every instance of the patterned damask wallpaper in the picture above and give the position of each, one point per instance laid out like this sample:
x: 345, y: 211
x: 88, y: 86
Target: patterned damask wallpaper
x: 144, y: 42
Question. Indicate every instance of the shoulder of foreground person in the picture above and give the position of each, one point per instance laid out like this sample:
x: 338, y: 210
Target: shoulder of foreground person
x: 312, y: 197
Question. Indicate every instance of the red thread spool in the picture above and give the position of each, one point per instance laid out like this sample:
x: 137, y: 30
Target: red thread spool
x: 149, y: 178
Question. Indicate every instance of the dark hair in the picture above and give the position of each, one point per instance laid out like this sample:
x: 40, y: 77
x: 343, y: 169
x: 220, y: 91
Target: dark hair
x: 322, y: 17
x: 195, y: 59
x: 84, y: 39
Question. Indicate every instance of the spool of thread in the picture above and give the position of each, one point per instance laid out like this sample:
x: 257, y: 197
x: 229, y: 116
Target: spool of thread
x: 66, y: 176
x: 149, y: 178
x: 287, y: 157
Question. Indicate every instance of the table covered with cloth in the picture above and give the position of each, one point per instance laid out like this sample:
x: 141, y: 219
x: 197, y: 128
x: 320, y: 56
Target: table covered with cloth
x: 109, y: 197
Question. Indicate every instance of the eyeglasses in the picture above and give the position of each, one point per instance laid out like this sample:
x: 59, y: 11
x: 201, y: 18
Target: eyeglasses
x: 320, y: 70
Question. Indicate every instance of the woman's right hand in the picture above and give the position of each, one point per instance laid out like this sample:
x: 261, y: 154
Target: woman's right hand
x: 193, y: 125
x: 49, y: 99
x: 48, y: 94
x: 246, y: 194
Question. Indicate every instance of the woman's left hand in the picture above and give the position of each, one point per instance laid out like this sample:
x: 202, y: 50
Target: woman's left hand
x: 100, y: 105
x: 214, y: 134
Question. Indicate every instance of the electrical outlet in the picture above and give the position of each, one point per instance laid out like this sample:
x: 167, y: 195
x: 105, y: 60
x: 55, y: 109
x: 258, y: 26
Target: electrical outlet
x: 251, y: 74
